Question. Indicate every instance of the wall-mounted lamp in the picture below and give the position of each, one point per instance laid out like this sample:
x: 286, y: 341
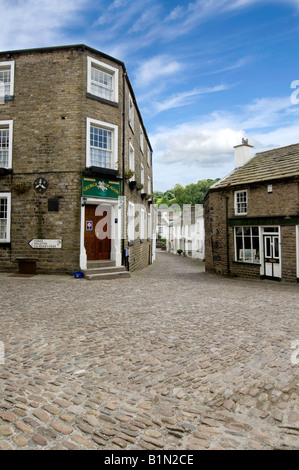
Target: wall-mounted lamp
x: 84, y: 199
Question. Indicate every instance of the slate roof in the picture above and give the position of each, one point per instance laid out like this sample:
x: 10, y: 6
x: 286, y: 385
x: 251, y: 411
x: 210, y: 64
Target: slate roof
x: 273, y: 164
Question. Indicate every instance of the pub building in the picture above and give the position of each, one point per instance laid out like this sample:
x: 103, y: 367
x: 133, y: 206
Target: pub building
x: 76, y: 177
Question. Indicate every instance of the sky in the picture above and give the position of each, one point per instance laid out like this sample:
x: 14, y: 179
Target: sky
x: 205, y: 73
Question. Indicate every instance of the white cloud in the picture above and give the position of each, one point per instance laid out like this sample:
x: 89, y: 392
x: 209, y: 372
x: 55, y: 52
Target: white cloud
x: 32, y: 23
x: 189, y: 143
x: 153, y: 69
x: 268, y: 123
x: 185, y: 98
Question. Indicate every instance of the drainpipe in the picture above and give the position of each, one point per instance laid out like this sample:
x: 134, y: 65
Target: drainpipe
x: 227, y: 236
x: 123, y: 162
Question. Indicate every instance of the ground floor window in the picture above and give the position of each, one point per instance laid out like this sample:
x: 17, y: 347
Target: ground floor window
x: 247, y: 244
x: 4, y: 217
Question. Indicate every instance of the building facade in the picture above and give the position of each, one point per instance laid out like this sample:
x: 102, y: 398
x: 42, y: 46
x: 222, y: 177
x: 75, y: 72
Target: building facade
x: 187, y: 232
x: 252, y: 216
x: 70, y: 129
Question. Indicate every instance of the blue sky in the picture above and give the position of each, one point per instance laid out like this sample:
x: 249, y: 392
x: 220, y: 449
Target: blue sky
x: 205, y: 73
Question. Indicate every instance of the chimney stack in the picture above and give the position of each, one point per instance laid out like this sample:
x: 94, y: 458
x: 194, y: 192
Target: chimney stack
x: 243, y: 153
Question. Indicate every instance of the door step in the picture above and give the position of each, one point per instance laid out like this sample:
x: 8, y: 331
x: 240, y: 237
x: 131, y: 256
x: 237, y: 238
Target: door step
x: 97, y: 270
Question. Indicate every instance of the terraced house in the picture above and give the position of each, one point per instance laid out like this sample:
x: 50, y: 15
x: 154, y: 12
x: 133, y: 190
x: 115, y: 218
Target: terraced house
x: 70, y: 131
x: 252, y: 216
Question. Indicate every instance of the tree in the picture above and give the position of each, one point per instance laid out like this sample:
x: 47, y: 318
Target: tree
x: 193, y: 193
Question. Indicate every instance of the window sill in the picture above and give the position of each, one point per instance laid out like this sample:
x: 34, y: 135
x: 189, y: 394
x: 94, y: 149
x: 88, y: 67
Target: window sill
x: 7, y: 98
x: 131, y: 243
x: 102, y: 100
x: 5, y: 171
x: 99, y: 171
x: 248, y: 262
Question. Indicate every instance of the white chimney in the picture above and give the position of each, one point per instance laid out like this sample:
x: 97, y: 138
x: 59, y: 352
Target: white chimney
x: 243, y: 153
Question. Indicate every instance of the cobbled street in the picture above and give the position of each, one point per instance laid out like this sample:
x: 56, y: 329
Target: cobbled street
x: 173, y: 358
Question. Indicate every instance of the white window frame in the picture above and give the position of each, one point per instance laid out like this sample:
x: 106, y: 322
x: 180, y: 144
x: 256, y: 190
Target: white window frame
x: 108, y: 69
x: 148, y: 157
x: 251, y: 251
x: 8, y: 125
x: 141, y: 139
x: 7, y: 196
x: 238, y: 205
x: 149, y: 185
x: 131, y: 222
x: 142, y: 224
x: 9, y: 65
x: 142, y: 177
x: 149, y: 226
x: 131, y: 112
x: 107, y: 126
x: 131, y: 160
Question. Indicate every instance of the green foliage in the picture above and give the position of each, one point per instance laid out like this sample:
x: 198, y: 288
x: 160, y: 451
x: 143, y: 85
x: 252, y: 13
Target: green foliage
x: 193, y: 193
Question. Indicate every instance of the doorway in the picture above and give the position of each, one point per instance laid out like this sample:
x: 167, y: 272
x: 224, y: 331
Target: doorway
x: 97, y: 235
x: 272, y: 258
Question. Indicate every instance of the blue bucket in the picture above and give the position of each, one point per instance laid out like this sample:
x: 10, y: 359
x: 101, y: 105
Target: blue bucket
x: 78, y: 275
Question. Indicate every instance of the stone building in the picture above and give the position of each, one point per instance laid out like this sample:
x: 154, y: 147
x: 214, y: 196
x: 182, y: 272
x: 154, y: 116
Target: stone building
x: 187, y: 232
x: 70, y: 129
x: 252, y: 216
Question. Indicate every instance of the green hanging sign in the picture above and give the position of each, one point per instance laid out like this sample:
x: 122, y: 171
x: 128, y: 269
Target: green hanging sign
x: 101, y: 189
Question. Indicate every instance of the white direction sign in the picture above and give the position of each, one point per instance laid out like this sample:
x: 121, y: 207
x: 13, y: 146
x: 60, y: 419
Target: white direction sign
x: 39, y: 243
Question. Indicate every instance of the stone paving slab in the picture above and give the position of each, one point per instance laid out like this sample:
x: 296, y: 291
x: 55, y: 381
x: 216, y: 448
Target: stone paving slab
x: 171, y: 359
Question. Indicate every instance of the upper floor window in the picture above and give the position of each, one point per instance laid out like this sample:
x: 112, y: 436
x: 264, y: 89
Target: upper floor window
x: 149, y: 185
x: 6, y: 144
x: 131, y: 112
x: 149, y: 226
x: 148, y: 156
x: 241, y: 202
x: 101, y: 144
x: 102, y: 80
x: 141, y: 139
x: 7, y: 79
x: 5, y: 203
x: 131, y: 159
x: 131, y: 223
x: 142, y: 224
x: 142, y: 177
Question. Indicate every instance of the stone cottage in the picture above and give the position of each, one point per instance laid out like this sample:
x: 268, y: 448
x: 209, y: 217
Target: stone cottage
x: 252, y: 216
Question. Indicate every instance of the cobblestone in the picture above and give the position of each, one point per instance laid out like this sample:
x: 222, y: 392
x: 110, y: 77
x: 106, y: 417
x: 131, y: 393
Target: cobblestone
x: 173, y: 358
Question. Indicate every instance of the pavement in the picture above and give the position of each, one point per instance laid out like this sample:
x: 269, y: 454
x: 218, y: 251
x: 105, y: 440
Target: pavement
x: 171, y: 359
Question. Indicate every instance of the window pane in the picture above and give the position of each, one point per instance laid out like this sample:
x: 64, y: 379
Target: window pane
x: 101, y: 83
x: 247, y: 246
x: 256, y: 249
x: 241, y: 202
x: 100, y: 147
x: 276, y: 247
x: 3, y: 218
x: 5, y: 79
x: 239, y: 248
x: 4, y: 147
x: 270, y: 229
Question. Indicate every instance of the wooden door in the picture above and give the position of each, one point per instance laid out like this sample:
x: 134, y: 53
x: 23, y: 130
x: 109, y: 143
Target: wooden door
x: 97, y: 230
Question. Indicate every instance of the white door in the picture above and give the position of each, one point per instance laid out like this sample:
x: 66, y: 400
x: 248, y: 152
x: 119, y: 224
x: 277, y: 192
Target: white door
x: 272, y: 261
